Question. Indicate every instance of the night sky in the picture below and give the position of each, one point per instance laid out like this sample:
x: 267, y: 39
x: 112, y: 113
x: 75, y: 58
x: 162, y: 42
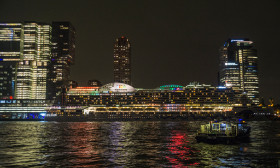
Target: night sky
x: 173, y: 42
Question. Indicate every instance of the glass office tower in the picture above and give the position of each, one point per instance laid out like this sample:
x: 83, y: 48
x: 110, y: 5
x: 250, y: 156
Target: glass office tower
x: 63, y: 56
x: 32, y: 69
x: 25, y: 59
x: 122, y: 61
x: 239, y: 67
x: 10, y: 54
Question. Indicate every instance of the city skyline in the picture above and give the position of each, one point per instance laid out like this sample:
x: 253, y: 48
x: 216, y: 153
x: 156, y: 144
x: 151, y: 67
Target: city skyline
x: 168, y: 47
x: 35, y: 59
x: 129, y: 83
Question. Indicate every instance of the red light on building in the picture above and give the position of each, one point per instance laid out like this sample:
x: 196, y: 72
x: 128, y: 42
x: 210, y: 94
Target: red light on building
x: 86, y: 87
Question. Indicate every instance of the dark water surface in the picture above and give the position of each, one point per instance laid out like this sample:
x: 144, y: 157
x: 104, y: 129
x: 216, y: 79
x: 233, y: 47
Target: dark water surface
x: 131, y: 144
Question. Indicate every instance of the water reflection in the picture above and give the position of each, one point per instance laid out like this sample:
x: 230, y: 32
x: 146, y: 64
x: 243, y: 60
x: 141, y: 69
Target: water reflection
x: 84, y: 145
x: 180, y: 150
x: 131, y: 144
x: 20, y: 144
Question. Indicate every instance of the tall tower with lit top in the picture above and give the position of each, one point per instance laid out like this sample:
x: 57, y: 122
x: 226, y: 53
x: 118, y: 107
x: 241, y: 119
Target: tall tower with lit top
x: 122, y: 60
x: 239, y: 67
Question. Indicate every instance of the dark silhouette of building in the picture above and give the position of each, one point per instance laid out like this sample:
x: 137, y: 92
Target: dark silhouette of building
x: 72, y: 84
x: 239, y: 67
x: 63, y: 56
x: 122, y: 61
x: 94, y: 83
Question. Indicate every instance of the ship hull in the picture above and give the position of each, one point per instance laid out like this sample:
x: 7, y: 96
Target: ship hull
x: 219, y: 139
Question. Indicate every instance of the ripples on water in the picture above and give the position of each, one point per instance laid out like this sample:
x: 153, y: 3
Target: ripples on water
x: 131, y: 144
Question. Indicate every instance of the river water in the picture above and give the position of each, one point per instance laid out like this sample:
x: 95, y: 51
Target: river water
x: 131, y: 144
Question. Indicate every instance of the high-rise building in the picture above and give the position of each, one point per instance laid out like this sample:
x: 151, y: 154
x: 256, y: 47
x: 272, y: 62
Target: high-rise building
x: 24, y: 59
x: 10, y: 54
x: 239, y: 67
x: 63, y: 56
x: 122, y: 60
x: 32, y: 69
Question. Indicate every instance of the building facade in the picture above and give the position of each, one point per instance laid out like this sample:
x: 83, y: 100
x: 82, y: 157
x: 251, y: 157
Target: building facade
x: 24, y: 59
x: 120, y: 94
x: 10, y: 55
x: 62, y: 57
x: 238, y: 67
x: 122, y: 60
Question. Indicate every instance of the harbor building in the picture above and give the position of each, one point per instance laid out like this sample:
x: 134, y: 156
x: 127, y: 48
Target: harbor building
x: 122, y: 60
x: 238, y: 67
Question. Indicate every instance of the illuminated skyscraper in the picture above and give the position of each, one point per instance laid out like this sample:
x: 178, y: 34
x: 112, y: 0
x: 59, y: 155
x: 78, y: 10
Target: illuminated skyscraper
x: 239, y: 67
x: 32, y: 69
x: 10, y: 54
x: 25, y: 57
x: 63, y: 56
x: 122, y: 61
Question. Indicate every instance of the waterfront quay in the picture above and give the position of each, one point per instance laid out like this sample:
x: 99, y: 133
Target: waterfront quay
x: 24, y: 109
x: 103, y: 113
x: 119, y: 101
x: 136, y: 112
x: 42, y: 110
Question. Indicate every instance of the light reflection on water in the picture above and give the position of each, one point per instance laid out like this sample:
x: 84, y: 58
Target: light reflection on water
x: 131, y: 144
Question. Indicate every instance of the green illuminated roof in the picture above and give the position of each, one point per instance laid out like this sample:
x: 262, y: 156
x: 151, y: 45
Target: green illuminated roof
x: 171, y: 86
